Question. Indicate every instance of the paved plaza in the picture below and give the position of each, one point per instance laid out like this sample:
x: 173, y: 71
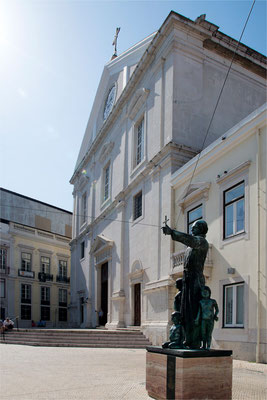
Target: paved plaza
x: 96, y: 374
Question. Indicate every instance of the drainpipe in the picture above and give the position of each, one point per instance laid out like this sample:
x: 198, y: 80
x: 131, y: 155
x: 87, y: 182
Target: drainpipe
x: 258, y: 255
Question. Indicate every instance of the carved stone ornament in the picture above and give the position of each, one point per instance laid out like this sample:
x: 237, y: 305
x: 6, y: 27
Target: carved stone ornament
x: 105, y: 151
x: 194, y: 192
x: 137, y: 101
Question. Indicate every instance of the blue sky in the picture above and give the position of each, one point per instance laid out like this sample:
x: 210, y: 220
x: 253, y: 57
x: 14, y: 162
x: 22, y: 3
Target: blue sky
x: 52, y: 54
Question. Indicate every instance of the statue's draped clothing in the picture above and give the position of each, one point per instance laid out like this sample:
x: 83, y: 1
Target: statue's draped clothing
x: 193, y: 281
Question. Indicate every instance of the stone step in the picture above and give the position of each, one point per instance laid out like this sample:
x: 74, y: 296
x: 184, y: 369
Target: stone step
x: 93, y: 345
x: 86, y: 333
x: 91, y: 337
x: 76, y: 338
x: 71, y: 339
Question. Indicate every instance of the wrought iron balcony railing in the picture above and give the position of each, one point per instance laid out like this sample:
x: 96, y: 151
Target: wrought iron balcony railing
x: 63, y: 279
x: 43, y: 277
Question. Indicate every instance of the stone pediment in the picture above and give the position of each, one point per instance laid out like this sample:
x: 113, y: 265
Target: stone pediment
x: 194, y: 192
x: 137, y: 101
x: 101, y: 243
x: 105, y: 151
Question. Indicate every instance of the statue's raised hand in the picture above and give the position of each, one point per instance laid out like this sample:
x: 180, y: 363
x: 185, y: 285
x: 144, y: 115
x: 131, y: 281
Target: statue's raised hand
x: 167, y: 230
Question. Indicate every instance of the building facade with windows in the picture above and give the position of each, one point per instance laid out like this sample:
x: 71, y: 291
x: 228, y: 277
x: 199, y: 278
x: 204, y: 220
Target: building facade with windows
x: 35, y: 260
x: 228, y: 190
x: 150, y: 116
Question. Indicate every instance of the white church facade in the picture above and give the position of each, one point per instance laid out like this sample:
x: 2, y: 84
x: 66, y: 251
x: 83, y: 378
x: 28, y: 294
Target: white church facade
x: 149, y: 118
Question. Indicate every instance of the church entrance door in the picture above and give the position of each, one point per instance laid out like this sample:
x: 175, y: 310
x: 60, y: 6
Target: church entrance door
x: 104, y: 294
x: 137, y: 304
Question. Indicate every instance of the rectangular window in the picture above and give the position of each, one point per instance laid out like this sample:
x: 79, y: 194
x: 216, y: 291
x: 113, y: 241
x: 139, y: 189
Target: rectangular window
x: 26, y: 261
x: 25, y: 307
x: 3, y: 258
x: 62, y: 297
x: 137, y: 212
x: 234, y: 210
x: 25, y: 293
x: 139, y: 142
x: 106, y: 187
x: 2, y: 288
x: 63, y: 268
x: 82, y: 250
x: 45, y: 265
x: 45, y: 295
x: 62, y: 302
x: 25, y: 311
x: 83, y: 208
x: 234, y: 305
x: 45, y: 313
x: 192, y: 216
x: 62, y: 314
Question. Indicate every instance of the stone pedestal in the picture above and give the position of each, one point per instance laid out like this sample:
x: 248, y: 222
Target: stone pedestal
x: 188, y: 374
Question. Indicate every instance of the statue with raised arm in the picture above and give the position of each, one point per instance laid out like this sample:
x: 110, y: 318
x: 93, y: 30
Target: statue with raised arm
x: 193, y: 277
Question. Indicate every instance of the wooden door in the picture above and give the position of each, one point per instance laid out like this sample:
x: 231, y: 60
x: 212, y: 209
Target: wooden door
x: 137, y: 304
x: 104, y: 294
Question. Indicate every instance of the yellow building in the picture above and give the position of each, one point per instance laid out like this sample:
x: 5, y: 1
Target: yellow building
x: 226, y: 185
x: 35, y: 261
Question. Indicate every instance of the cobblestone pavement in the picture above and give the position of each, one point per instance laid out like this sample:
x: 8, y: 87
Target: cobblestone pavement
x: 59, y: 373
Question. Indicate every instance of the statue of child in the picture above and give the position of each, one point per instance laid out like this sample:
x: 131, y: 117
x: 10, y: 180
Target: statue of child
x: 207, y: 314
x: 176, y: 333
x: 178, y: 296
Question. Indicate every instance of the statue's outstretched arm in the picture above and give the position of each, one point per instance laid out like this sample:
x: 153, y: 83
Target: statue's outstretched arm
x: 185, y: 238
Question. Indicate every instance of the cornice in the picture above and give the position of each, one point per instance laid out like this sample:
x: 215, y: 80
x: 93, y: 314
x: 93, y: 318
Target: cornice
x: 202, y: 29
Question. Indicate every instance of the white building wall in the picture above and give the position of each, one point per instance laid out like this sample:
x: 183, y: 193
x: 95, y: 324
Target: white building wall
x: 242, y: 145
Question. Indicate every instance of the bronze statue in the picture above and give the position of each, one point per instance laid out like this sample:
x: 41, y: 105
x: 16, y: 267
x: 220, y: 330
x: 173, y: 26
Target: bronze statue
x: 207, y: 314
x: 176, y: 333
x: 178, y: 296
x: 193, y: 277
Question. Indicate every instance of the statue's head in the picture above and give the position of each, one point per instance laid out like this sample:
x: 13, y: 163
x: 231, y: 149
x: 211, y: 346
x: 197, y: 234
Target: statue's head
x: 205, y: 292
x: 199, y: 227
x: 176, y: 317
x: 179, y: 283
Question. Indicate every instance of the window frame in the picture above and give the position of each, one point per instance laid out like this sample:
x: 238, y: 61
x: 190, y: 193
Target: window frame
x: 234, y: 203
x: 62, y: 305
x: 45, y: 294
x: 140, y: 118
x: 82, y: 249
x: 64, y: 265
x: 139, y: 141
x: 83, y: 208
x: 106, y: 183
x: 3, y: 258
x: 47, y: 268
x: 188, y: 211
x: 138, y: 195
x: 3, y: 281
x: 234, y: 324
x: 23, y: 260
x: 228, y: 180
x: 26, y: 302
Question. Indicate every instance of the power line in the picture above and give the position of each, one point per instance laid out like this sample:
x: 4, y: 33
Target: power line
x: 217, y: 103
x: 104, y: 218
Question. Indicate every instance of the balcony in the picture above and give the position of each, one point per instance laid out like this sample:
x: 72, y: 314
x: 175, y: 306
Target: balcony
x: 178, y: 263
x: 63, y: 279
x: 43, y: 277
x: 26, y: 274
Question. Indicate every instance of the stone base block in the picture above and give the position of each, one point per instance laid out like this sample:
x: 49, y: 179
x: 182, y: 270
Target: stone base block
x: 188, y: 374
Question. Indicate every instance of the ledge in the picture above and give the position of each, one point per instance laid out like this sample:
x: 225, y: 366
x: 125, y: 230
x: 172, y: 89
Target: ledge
x: 184, y: 353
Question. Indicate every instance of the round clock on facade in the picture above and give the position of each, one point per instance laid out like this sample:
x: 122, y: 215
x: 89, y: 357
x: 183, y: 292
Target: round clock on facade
x: 109, y: 101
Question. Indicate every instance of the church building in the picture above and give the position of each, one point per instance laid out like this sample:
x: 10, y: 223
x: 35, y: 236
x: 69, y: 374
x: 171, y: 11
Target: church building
x: 150, y: 116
